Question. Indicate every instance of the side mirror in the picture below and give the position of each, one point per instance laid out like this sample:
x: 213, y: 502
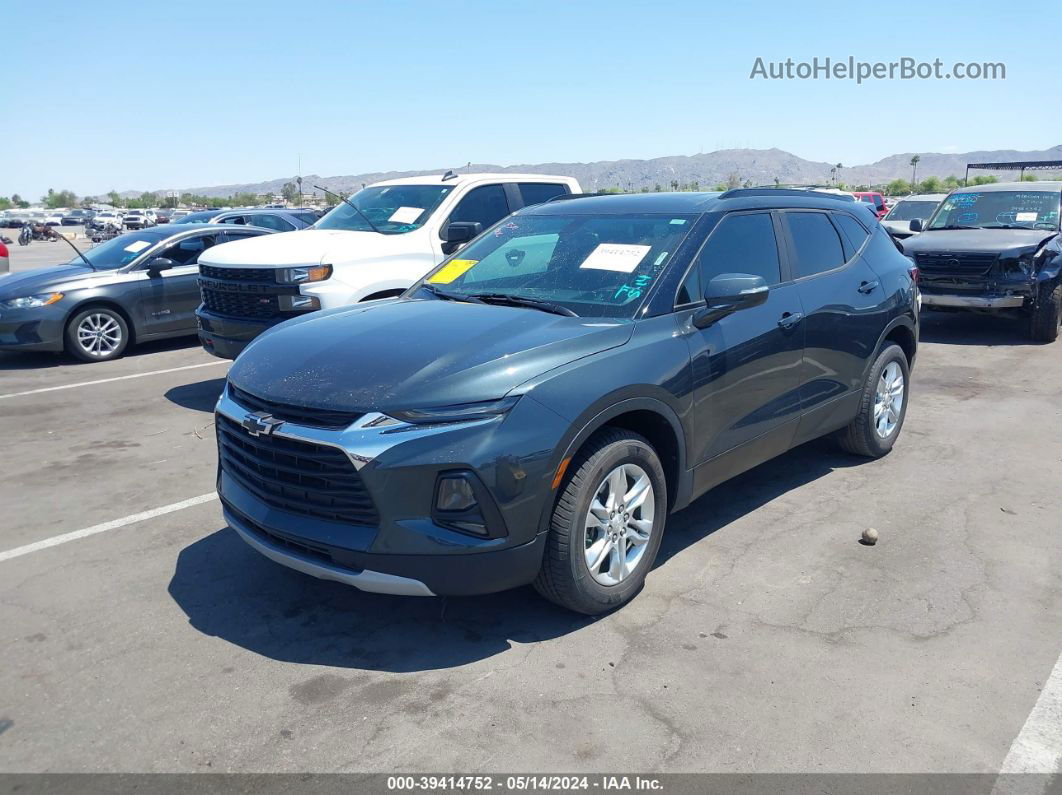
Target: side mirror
x: 159, y: 264
x: 728, y: 293
x: 462, y: 231
x: 915, y: 225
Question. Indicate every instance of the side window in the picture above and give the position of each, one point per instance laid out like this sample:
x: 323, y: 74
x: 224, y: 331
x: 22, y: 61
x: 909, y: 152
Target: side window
x: 187, y: 251
x: 816, y: 245
x: 852, y: 229
x: 540, y: 192
x: 271, y: 222
x: 739, y: 244
x: 485, y: 204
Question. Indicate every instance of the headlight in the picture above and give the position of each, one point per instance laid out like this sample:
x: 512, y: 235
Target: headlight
x: 303, y: 275
x: 457, y: 413
x: 31, y: 301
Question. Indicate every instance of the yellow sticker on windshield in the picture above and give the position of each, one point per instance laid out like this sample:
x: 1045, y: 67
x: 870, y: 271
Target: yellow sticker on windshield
x: 452, y: 269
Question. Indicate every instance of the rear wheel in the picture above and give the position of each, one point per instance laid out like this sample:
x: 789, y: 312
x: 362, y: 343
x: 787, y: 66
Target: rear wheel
x: 1047, y: 316
x: 882, y: 406
x: 606, y: 526
x: 97, y: 334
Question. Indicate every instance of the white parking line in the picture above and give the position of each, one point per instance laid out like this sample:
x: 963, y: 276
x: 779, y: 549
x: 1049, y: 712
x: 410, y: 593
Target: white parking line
x: 108, y: 380
x: 1038, y: 746
x: 114, y: 524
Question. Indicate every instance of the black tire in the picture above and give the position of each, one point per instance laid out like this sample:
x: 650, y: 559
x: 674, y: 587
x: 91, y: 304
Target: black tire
x: 565, y: 576
x: 1047, y: 315
x: 861, y: 437
x: 107, y: 317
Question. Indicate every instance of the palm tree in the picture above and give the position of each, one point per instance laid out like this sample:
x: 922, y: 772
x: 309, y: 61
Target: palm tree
x: 838, y: 168
x: 914, y: 171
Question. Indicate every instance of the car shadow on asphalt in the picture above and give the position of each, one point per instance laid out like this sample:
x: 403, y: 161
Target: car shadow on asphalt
x: 200, y: 396
x: 231, y: 592
x: 16, y: 360
x: 974, y: 328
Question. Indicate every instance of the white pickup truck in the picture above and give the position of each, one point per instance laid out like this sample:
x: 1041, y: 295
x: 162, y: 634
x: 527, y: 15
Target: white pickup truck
x: 402, y: 228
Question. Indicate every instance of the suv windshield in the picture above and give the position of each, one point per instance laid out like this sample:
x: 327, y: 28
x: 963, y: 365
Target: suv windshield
x: 118, y: 251
x: 1003, y: 209
x: 393, y: 209
x: 588, y: 265
x: 907, y: 210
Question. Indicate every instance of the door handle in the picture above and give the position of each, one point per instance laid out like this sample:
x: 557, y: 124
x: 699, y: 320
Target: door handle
x: 867, y: 287
x: 790, y: 319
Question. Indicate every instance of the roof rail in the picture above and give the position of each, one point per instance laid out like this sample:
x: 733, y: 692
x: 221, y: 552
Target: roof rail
x: 735, y: 193
x: 563, y: 197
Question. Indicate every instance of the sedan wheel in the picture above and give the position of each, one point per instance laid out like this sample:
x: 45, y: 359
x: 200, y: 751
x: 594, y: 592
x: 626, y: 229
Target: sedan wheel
x: 96, y: 335
x: 619, y: 524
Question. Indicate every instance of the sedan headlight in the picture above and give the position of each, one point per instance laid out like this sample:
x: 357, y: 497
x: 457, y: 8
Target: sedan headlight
x: 303, y: 275
x: 30, y: 301
x: 458, y: 413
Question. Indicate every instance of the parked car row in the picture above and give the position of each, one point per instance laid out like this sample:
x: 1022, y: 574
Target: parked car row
x: 465, y: 383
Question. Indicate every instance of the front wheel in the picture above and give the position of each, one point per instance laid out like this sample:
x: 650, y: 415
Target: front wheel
x: 1047, y: 316
x: 882, y: 406
x: 97, y: 334
x: 606, y: 526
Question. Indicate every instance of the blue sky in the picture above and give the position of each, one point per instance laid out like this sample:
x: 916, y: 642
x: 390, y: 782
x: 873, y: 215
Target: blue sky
x: 182, y: 93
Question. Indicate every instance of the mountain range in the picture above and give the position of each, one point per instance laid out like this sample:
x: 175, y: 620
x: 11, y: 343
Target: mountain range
x: 758, y: 166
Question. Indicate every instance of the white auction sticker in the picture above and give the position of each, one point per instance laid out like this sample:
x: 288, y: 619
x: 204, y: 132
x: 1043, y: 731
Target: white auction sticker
x: 137, y: 245
x: 1023, y: 218
x: 406, y: 215
x: 616, y: 257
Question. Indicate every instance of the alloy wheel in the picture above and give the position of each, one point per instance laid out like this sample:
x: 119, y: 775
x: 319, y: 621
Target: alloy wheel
x: 888, y: 400
x: 619, y: 523
x: 99, y: 334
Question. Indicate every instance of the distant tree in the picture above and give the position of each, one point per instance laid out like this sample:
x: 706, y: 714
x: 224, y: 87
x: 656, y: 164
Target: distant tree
x: 5, y: 203
x: 657, y: 188
x: 951, y: 182
x: 87, y: 202
x: 733, y: 181
x: 290, y: 192
x: 931, y: 185
x: 64, y: 198
x: 114, y: 198
x: 674, y: 184
x: 16, y: 200
x: 747, y: 183
x: 914, y: 169
x: 721, y: 186
x: 695, y: 186
x: 777, y: 182
x: 898, y: 187
x: 1028, y: 178
x: 985, y: 179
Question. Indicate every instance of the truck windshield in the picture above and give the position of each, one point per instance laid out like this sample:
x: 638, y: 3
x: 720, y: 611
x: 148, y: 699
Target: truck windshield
x: 1003, y: 209
x: 393, y: 209
x: 908, y: 210
x: 587, y: 265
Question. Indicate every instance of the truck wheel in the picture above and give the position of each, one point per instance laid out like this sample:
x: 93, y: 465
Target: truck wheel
x: 1047, y: 316
x: 882, y: 406
x: 97, y: 334
x: 606, y: 526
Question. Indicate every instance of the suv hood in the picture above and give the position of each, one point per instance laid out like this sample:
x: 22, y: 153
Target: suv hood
x: 415, y: 354
x: 1007, y: 242
x: 303, y: 247
x: 38, y: 280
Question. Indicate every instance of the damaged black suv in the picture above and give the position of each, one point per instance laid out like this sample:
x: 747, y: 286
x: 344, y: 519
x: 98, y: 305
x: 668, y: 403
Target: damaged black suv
x: 994, y: 248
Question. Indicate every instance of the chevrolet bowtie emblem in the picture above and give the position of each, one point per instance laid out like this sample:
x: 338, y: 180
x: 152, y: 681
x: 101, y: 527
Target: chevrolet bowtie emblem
x: 260, y: 423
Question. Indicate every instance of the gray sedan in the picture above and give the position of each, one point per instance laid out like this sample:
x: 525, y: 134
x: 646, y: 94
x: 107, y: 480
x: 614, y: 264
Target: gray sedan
x: 133, y: 288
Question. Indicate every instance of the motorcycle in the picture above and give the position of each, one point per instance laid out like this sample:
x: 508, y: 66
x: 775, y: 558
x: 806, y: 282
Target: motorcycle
x: 25, y: 236
x: 108, y: 231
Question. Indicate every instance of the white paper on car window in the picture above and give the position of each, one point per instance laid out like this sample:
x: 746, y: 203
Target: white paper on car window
x: 406, y: 215
x: 1022, y: 218
x: 137, y: 245
x: 615, y: 257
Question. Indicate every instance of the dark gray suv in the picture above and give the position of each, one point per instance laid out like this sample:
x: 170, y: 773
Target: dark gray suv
x: 534, y: 408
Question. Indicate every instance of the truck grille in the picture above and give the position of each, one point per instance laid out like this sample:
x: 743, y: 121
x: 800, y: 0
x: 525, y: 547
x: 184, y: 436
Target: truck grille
x: 301, y: 415
x: 955, y: 264
x: 295, y: 476
x: 236, y: 304
x: 239, y: 274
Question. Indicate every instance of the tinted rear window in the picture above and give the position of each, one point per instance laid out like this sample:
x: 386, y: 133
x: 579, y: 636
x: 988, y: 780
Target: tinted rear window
x: 815, y: 243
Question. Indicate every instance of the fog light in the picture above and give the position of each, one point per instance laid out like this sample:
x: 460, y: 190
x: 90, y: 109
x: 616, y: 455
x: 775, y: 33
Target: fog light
x: 455, y: 494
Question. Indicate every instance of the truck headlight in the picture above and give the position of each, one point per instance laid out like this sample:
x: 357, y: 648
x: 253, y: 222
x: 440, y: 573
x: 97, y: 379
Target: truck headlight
x: 317, y: 273
x: 298, y: 303
x: 30, y: 301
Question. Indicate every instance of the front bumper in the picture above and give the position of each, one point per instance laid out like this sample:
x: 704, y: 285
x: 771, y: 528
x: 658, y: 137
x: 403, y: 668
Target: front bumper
x: 408, y: 552
x: 226, y: 337
x: 972, y: 301
x: 34, y: 329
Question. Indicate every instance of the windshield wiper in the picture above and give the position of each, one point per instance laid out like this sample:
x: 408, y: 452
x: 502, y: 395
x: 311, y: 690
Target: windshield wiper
x: 446, y: 295
x: 953, y: 226
x: 352, y: 206
x: 519, y: 300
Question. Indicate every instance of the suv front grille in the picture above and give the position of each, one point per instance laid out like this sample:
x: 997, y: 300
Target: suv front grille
x: 295, y: 476
x: 955, y: 264
x: 236, y: 304
x: 238, y: 274
x: 302, y: 415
